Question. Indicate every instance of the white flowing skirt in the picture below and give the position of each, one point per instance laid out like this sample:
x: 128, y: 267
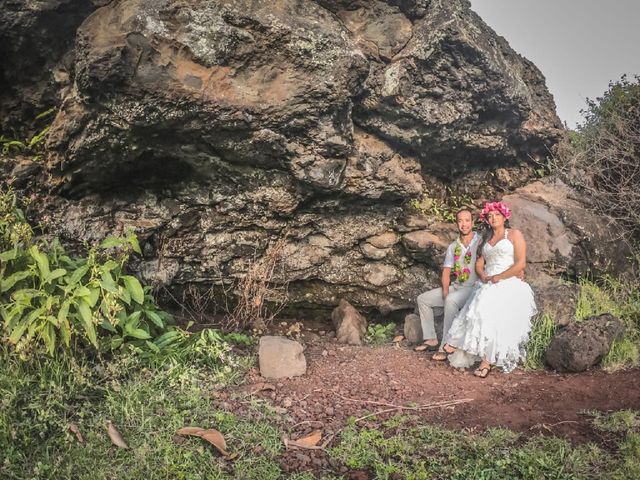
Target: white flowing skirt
x: 494, y: 324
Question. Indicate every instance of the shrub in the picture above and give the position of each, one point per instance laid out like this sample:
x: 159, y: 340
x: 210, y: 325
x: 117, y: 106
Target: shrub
x: 379, y: 334
x: 49, y: 298
x: 603, y: 158
x: 32, y: 146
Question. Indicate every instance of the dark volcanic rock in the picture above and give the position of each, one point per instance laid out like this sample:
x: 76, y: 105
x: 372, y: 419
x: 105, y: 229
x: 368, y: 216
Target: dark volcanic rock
x: 583, y: 344
x: 36, y: 47
x: 216, y: 128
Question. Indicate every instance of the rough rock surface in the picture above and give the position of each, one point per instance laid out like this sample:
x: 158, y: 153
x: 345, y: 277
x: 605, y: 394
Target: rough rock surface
x: 349, y: 325
x: 562, y: 237
x: 412, y: 329
x: 36, y: 47
x: 583, y: 344
x: 216, y: 128
x: 553, y: 296
x: 280, y: 357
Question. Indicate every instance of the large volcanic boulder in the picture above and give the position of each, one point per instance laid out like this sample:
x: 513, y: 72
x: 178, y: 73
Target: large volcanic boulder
x: 36, y: 48
x: 583, y: 344
x: 562, y: 236
x: 218, y: 130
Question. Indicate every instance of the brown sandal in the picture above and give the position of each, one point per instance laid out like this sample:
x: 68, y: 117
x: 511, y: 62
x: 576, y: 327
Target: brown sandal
x: 425, y: 347
x: 440, y: 356
x: 448, y: 349
x: 482, y: 372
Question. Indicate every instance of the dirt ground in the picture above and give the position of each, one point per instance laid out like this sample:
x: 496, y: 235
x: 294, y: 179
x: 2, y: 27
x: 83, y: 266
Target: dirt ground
x: 349, y: 381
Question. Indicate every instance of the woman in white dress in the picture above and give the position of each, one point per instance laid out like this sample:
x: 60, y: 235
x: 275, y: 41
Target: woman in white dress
x: 494, y: 324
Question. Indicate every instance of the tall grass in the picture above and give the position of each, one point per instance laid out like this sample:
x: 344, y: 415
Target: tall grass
x: 542, y: 331
x: 606, y: 295
x: 611, y: 295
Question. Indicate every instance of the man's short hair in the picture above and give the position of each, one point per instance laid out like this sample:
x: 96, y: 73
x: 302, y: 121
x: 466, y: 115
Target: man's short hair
x: 465, y: 209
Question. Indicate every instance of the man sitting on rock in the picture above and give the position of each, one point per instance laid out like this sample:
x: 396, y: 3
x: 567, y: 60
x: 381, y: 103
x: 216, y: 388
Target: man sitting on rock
x: 458, y: 277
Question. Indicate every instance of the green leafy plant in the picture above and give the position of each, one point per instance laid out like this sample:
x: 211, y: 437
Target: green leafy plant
x: 29, y: 145
x: 50, y: 298
x: 379, y: 334
x: 443, y: 208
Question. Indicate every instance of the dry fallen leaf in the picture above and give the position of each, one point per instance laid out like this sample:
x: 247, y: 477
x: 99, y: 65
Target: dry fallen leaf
x: 115, y: 436
x: 309, y: 442
x: 73, y: 428
x: 190, y: 431
x: 214, y: 437
x: 398, y: 338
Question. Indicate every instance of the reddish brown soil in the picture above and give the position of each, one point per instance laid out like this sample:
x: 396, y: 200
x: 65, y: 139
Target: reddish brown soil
x: 347, y: 381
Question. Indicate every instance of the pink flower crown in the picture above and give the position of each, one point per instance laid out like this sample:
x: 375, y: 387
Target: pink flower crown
x: 495, y: 206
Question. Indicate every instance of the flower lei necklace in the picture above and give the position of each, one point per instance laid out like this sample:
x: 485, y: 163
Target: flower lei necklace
x: 461, y: 271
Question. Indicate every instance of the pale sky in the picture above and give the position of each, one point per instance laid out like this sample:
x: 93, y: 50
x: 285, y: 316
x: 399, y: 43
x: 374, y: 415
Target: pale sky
x: 579, y: 45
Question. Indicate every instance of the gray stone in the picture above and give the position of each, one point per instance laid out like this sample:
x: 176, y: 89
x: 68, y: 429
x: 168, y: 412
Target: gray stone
x: 380, y: 275
x: 425, y: 246
x: 372, y: 252
x: 582, y: 345
x: 280, y: 357
x: 383, y: 240
x: 414, y: 220
x: 412, y: 329
x: 349, y: 324
x: 422, y: 241
x: 562, y: 235
x: 554, y: 297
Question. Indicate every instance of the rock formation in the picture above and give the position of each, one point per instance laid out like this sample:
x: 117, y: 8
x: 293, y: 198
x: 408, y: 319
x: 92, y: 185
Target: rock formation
x: 216, y: 128
x: 36, y: 47
x: 584, y: 344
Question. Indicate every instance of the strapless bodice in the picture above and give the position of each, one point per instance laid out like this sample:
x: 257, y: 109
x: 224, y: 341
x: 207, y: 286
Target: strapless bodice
x: 498, y: 257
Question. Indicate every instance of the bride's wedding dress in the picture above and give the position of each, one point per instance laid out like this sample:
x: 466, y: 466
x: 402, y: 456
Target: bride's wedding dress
x: 494, y: 323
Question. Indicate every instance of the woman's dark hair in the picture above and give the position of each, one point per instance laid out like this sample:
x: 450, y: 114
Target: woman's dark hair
x: 486, y: 232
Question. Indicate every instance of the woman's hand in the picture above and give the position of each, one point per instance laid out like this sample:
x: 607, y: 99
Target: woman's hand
x: 496, y: 278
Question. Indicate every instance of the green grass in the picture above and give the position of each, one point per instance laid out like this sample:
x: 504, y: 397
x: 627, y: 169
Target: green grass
x: 595, y: 299
x: 610, y: 295
x: 542, y: 332
x: 149, y: 401
x: 618, y: 422
x: 428, y: 452
x: 147, y: 404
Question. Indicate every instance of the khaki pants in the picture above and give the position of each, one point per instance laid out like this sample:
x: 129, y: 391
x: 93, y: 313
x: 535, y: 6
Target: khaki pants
x: 457, y: 297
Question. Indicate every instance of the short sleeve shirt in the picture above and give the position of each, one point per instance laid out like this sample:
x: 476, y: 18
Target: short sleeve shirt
x: 473, y: 246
